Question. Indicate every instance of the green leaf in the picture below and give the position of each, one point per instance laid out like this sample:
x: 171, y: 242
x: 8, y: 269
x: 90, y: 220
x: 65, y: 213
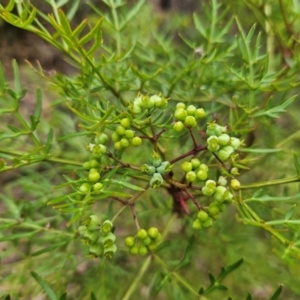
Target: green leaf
x: 128, y: 185
x: 18, y: 236
x: 93, y: 297
x: 64, y: 22
x: 7, y: 297
x: 199, y: 26
x: 229, y: 269
x: 296, y: 163
x: 35, y: 118
x: 50, y: 248
x: 211, y: 278
x: 267, y: 198
x: 249, y: 297
x: 259, y: 151
x: 284, y: 221
x: 187, y: 254
x: 79, y: 28
x: 45, y: 286
x: 18, y: 89
x: 63, y: 296
x: 275, y: 112
x: 92, y: 33
x: 277, y: 293
x: 49, y: 140
x: 290, y: 212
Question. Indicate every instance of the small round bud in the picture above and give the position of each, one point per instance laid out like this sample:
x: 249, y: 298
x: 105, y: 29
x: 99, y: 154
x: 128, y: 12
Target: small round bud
x: 97, y: 186
x: 102, y: 138
x: 190, y: 121
x: 106, y: 227
x: 178, y: 126
x: 197, y: 225
x: 110, y: 251
x: 115, y: 137
x: 94, y: 176
x: 125, y: 122
x: 134, y: 250
x: 129, y: 134
x: 143, y: 250
x: 142, y: 234
x: 156, y: 180
x: 153, y: 232
x: 202, y: 175
x: 84, y: 188
x: 190, y: 176
x: 223, y: 139
x: 222, y: 181
x: 180, y: 105
x: 202, y: 216
x: 191, y: 109
x: 235, y: 184
x: 207, y: 223
x: 136, y: 141
x: 129, y: 241
x: 195, y: 163
x: 118, y: 146
x: 180, y: 114
x: 225, y: 152
x: 187, y: 166
x: 124, y: 143
x: 120, y: 130
x: 200, y: 113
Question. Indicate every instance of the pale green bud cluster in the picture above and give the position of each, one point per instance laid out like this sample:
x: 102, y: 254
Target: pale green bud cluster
x: 220, y: 142
x: 142, y: 102
x: 143, y: 242
x: 99, y: 238
x: 194, y: 170
x: 157, y: 169
x: 123, y: 136
x: 187, y: 116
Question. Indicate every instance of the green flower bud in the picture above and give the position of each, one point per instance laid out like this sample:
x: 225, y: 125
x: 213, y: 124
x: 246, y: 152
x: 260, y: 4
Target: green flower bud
x: 129, y: 134
x: 202, y: 216
x: 225, y: 152
x: 82, y: 230
x: 153, y: 232
x: 190, y: 121
x: 107, y: 240
x: 125, y: 122
x: 187, y: 166
x: 164, y: 168
x: 90, y: 237
x: 235, y: 143
x: 180, y: 114
x: 118, y: 146
x: 136, y: 141
x: 197, y: 225
x: 124, y: 143
x: 84, y: 188
x: 102, y: 138
x: 97, y: 186
x: 207, y: 223
x: 214, y: 129
x: 143, y: 250
x: 203, y: 167
x: 92, y: 222
x: 115, y: 137
x: 190, y: 176
x: 200, y: 113
x: 152, y: 246
x: 222, y: 181
x: 120, y: 130
x: 201, y: 175
x: 178, y: 126
x: 147, y: 241
x: 86, y: 165
x: 129, y: 241
x: 94, y: 176
x: 234, y: 171
x: 213, y: 209
x: 110, y: 251
x: 220, y: 193
x: 191, y: 109
x: 155, y: 160
x: 94, y: 163
x: 148, y: 169
x: 147, y: 102
x: 180, y: 105
x: 212, y: 144
x: 106, y: 227
x: 159, y: 102
x: 98, y: 150
x: 136, y: 108
x: 156, y: 180
x: 223, y: 139
x: 134, y: 250
x: 95, y: 250
x: 195, y: 163
x: 142, y: 234
x: 235, y: 184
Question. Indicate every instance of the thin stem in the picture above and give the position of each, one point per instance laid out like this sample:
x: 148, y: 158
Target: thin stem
x: 135, y: 217
x: 191, y: 196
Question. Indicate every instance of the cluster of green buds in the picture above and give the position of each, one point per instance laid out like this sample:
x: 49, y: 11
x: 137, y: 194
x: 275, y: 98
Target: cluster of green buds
x: 157, y: 169
x: 194, y: 170
x: 99, y: 239
x: 221, y: 196
x: 142, y: 102
x: 220, y: 142
x: 187, y: 116
x: 123, y: 135
x: 143, y: 242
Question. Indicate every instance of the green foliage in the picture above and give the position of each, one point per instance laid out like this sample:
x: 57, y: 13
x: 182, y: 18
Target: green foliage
x: 159, y: 136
